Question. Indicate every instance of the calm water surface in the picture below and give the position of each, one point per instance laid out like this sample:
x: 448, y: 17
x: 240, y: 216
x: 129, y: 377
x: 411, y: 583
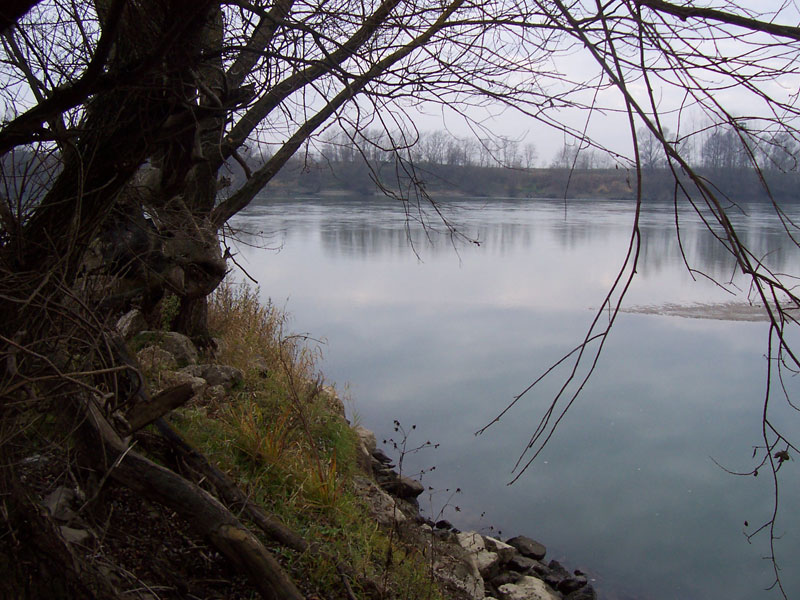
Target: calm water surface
x: 442, y: 334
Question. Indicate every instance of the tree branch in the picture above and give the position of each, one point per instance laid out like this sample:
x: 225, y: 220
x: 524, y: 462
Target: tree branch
x: 13, y: 10
x: 206, y: 515
x: 144, y: 413
x: 262, y: 176
x: 710, y: 14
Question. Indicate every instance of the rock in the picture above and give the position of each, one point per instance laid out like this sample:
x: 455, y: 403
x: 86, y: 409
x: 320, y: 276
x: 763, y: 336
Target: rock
x: 172, y: 378
x: 379, y: 467
x: 585, y: 593
x: 261, y: 366
x: 177, y: 344
x: 227, y: 377
x: 381, y: 457
x: 405, y: 487
x: 522, y: 563
x: 488, y: 562
x: 75, y: 536
x: 541, y: 570
x: 447, y: 535
x: 455, y: 569
x: 471, y: 541
x: 504, y: 578
x: 571, y: 584
x: 131, y: 323
x: 367, y: 439
x: 503, y: 550
x: 557, y: 569
x: 334, y: 402
x: 213, y: 395
x: 153, y: 358
x: 366, y: 447
x: 489, y: 589
x: 527, y: 588
x: 59, y: 504
x: 552, y: 580
x: 528, y: 547
x: 33, y: 459
x: 382, y: 506
x: 424, y: 521
x: 444, y: 524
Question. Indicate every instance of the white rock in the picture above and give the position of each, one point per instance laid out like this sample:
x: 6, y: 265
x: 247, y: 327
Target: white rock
x: 334, y: 401
x: 75, y: 536
x: 457, y: 572
x: 367, y: 438
x: 172, y: 378
x: 227, y: 377
x: 382, y: 506
x: 471, y: 541
x: 527, y: 588
x: 59, y: 503
x: 503, y: 550
x: 153, y: 358
x: 177, y: 344
x: 487, y: 562
x: 131, y: 323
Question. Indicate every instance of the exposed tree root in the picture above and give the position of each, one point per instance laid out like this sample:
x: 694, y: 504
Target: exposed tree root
x: 230, y: 492
x: 202, y: 511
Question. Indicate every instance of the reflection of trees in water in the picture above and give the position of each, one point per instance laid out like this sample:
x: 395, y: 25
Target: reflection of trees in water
x: 573, y: 234
x: 361, y: 236
x: 372, y: 229
x: 759, y: 231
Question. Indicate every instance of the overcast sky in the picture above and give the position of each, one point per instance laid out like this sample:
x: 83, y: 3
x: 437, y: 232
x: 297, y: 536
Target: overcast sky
x: 611, y: 128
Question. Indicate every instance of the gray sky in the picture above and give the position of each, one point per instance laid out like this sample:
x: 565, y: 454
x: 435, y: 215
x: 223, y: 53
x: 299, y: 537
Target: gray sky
x: 610, y: 127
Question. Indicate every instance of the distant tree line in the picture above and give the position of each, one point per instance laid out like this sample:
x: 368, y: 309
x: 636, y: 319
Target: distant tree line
x: 711, y: 147
x: 724, y: 147
x: 433, y: 147
x: 361, y: 162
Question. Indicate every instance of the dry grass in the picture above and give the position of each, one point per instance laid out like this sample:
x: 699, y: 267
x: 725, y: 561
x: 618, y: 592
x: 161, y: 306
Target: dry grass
x: 279, y: 436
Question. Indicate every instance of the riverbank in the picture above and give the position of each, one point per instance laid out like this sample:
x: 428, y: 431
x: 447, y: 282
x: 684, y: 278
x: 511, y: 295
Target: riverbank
x: 408, y: 555
x: 254, y: 436
x: 264, y: 416
x: 465, y: 564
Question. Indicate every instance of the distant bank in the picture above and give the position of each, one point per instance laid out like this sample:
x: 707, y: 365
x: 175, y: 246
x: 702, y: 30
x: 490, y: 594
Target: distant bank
x: 315, y: 178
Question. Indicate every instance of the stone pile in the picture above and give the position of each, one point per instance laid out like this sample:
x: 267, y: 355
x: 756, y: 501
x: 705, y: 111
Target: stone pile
x: 471, y: 566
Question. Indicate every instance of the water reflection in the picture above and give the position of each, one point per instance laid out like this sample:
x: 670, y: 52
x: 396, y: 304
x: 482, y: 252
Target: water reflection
x: 626, y: 488
x: 371, y: 228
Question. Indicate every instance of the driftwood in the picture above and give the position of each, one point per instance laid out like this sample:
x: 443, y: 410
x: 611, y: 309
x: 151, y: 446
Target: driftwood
x: 204, y: 513
x: 144, y: 413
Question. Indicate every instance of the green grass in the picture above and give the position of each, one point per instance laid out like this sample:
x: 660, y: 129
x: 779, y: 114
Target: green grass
x: 280, y: 439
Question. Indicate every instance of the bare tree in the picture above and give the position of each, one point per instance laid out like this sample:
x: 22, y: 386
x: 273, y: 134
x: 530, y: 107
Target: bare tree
x: 122, y: 120
x: 530, y: 155
x: 651, y: 154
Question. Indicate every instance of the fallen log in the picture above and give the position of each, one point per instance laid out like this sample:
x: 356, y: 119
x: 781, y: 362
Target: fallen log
x: 209, y: 517
x: 230, y: 492
x: 144, y: 413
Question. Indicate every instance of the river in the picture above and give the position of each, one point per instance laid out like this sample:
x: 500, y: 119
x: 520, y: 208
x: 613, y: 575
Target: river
x: 441, y: 333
